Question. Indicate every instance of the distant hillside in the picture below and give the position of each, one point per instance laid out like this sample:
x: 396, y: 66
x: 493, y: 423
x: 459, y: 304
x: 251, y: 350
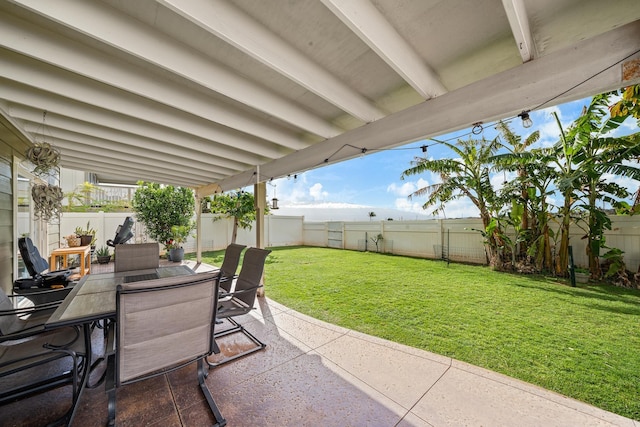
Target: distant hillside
x: 346, y: 212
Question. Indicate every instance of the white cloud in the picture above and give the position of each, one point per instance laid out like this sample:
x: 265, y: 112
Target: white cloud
x: 548, y: 127
x: 316, y: 193
x: 407, y: 188
x: 293, y: 189
x: 499, y: 179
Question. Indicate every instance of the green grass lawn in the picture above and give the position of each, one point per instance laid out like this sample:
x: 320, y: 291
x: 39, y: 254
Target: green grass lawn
x: 582, y: 342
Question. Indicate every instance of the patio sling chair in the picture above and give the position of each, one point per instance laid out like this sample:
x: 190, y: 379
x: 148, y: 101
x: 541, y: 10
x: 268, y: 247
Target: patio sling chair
x: 36, y: 287
x: 241, y: 300
x: 229, y: 266
x: 139, y: 256
x: 34, y: 360
x: 163, y: 325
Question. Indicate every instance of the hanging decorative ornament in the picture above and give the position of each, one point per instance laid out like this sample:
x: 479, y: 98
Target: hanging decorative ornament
x: 47, y: 198
x: 44, y: 157
x: 47, y: 201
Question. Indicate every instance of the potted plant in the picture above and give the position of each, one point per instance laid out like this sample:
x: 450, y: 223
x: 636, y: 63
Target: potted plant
x: 103, y: 255
x: 87, y: 235
x: 72, y: 240
x: 179, y: 235
x: 161, y: 207
x: 582, y: 275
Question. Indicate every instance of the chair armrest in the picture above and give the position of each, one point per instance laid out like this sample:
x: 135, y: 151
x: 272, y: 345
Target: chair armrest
x: 23, y: 333
x: 21, y: 311
x: 242, y: 291
x: 38, y: 329
x: 37, y: 291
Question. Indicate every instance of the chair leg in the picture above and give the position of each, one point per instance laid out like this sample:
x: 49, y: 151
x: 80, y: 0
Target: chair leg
x: 110, y: 386
x: 236, y: 328
x: 220, y: 421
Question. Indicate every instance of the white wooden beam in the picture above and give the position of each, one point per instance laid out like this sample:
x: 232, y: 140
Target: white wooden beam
x: 142, y: 42
x: 96, y: 148
x: 207, y: 190
x: 97, y: 96
x: 371, y: 26
x: 65, y: 54
x: 63, y: 114
x: 227, y: 22
x: 142, y: 174
x: 519, y: 22
x: 593, y: 66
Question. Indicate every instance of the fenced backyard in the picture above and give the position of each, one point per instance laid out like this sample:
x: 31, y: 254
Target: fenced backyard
x: 454, y: 240
x: 581, y: 341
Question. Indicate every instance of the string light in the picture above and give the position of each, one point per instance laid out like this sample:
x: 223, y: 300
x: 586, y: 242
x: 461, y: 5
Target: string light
x: 526, y: 120
x: 478, y: 127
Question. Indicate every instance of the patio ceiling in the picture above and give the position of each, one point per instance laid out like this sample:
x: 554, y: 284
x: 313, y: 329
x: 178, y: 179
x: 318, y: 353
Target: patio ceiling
x: 218, y: 94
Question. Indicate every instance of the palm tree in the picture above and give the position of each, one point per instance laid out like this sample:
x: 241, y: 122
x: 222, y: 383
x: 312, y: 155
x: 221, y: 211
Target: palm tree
x: 595, y: 154
x: 517, y: 160
x: 465, y: 176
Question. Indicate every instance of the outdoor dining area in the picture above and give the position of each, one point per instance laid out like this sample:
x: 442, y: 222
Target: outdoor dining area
x: 153, y: 319
x: 212, y: 97
x: 298, y: 371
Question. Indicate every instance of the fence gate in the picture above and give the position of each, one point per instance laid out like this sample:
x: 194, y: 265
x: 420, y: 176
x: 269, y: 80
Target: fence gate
x: 334, y: 235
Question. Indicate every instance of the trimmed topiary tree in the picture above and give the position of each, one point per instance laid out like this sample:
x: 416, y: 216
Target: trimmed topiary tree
x: 238, y: 205
x: 159, y: 207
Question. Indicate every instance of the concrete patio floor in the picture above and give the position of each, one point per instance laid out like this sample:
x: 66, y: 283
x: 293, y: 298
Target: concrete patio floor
x: 313, y: 373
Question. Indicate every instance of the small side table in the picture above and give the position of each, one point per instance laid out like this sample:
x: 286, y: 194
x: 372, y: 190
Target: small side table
x: 85, y: 258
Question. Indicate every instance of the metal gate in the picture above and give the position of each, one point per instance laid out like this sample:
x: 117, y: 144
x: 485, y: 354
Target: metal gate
x: 334, y: 235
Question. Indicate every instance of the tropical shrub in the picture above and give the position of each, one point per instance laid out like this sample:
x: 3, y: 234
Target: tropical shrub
x: 160, y: 207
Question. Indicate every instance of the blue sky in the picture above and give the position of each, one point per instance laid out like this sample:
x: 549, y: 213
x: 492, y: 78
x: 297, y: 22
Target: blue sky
x: 373, y: 180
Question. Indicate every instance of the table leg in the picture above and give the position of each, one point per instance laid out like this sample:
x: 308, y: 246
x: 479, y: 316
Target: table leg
x: 86, y: 328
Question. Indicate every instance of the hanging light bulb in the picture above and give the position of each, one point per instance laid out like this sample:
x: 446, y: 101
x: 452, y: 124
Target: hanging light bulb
x: 477, y: 128
x: 526, y: 120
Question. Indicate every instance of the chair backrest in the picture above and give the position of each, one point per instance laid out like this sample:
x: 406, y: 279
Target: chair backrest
x: 139, y: 256
x: 163, y: 323
x: 251, y: 274
x: 230, y: 265
x: 31, y: 257
x: 123, y: 233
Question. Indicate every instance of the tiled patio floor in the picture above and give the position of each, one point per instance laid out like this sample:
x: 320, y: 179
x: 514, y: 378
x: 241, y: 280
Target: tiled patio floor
x: 312, y: 374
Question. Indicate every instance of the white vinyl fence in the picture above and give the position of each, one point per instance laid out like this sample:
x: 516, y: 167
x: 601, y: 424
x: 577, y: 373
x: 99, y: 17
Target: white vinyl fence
x: 452, y: 239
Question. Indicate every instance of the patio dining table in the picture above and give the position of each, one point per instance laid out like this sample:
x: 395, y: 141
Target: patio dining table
x: 94, y: 297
